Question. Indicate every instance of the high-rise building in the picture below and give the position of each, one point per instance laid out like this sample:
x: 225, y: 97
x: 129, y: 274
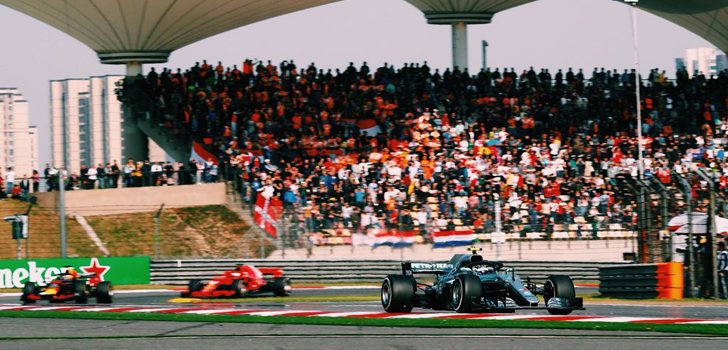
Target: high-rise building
x: 86, y: 123
x: 708, y: 61
x: 18, y: 140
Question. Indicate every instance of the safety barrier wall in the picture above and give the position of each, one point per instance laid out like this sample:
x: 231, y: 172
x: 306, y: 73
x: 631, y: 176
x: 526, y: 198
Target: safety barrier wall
x: 118, y: 270
x: 642, y: 281
x: 179, y: 272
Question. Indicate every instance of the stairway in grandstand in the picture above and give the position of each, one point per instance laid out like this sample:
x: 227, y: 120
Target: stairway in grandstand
x: 176, y: 143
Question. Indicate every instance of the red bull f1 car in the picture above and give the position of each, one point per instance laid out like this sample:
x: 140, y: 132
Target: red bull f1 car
x: 242, y: 281
x: 469, y: 283
x: 69, y: 286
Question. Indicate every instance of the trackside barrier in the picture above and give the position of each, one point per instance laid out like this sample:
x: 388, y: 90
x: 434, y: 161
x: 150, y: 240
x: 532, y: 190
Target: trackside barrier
x: 117, y: 270
x: 642, y: 281
x: 179, y: 272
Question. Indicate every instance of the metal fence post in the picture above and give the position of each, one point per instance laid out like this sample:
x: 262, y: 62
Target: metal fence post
x: 689, y: 246
x: 710, y: 235
x: 157, y: 237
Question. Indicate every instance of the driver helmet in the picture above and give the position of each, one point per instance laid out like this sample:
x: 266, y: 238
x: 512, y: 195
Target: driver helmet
x: 69, y: 271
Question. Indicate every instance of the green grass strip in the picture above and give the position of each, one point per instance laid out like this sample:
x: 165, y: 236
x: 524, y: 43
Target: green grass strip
x: 699, y: 329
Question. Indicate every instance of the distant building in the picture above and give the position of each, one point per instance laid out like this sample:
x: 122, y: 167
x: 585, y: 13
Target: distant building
x: 708, y: 61
x: 680, y: 64
x: 721, y: 62
x: 86, y: 123
x: 18, y: 140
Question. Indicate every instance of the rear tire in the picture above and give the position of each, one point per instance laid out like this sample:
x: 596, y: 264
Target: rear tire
x: 558, y: 286
x: 28, y: 289
x: 398, y: 293
x: 465, y: 293
x: 80, y: 293
x: 282, y: 286
x: 104, y: 293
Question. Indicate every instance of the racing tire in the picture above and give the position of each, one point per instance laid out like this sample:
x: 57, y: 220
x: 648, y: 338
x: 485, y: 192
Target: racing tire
x: 282, y: 286
x: 193, y: 286
x: 104, y: 293
x: 80, y: 294
x: 465, y: 293
x: 28, y: 289
x: 239, y: 287
x: 558, y: 286
x: 398, y: 293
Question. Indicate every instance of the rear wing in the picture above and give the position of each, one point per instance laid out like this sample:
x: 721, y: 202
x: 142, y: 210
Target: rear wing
x: 409, y: 268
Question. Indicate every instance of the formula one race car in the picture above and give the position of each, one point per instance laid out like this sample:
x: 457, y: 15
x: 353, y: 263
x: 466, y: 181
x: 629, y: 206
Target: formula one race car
x: 468, y: 283
x: 69, y: 285
x: 242, y: 281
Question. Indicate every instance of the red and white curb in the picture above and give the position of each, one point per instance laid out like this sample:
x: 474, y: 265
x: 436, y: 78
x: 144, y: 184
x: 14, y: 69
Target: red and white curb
x: 355, y: 314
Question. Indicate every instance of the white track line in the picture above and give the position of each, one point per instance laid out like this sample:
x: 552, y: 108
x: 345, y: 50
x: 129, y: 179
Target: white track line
x: 11, y: 307
x: 620, y: 319
x: 345, y: 314
x: 150, y: 310
x: 421, y: 315
x: 505, y: 317
x: 705, y: 322
x: 210, y: 311
x: 97, y: 309
x: 278, y: 312
x: 53, y: 308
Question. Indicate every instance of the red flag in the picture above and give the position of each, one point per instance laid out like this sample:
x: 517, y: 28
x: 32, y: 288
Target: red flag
x: 266, y: 214
x: 201, y: 155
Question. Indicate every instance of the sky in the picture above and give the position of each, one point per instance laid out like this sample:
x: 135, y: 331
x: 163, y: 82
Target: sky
x: 545, y: 34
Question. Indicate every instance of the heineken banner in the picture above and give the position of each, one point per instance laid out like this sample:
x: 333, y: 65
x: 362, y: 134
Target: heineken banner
x: 126, y: 270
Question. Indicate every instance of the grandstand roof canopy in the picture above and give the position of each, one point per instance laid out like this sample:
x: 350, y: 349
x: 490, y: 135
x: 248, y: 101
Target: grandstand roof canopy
x: 148, y: 30
x: 119, y: 30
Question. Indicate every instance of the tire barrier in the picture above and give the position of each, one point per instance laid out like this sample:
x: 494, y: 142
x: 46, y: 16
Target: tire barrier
x: 642, y: 281
x: 179, y: 272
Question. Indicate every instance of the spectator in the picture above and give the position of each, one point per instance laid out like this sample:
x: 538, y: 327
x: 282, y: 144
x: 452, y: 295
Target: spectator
x: 9, y: 180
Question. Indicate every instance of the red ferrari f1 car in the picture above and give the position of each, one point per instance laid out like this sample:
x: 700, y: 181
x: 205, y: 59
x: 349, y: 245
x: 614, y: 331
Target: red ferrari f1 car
x: 243, y: 280
x: 69, y: 285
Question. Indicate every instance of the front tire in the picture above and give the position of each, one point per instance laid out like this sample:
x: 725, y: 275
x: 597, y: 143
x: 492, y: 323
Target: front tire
x: 104, y: 293
x: 80, y: 293
x: 28, y: 289
x: 398, y: 293
x: 466, y: 292
x: 282, y: 286
x: 558, y: 286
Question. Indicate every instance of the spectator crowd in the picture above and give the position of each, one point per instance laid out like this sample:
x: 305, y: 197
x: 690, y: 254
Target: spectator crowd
x: 414, y: 147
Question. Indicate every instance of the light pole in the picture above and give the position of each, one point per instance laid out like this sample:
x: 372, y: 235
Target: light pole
x: 62, y: 207
x: 640, y: 162
x: 485, y: 52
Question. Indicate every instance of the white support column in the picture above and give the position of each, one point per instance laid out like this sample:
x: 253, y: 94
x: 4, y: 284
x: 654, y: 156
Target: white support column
x: 133, y: 69
x: 460, y: 45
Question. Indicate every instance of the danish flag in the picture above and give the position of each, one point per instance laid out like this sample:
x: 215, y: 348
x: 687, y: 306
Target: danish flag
x: 266, y: 214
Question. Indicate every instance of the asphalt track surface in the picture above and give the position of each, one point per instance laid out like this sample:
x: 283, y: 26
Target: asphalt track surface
x: 95, y: 334
x: 633, y: 309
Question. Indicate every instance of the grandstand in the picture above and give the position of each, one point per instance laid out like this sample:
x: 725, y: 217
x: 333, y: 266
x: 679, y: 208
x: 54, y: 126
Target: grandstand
x: 412, y: 148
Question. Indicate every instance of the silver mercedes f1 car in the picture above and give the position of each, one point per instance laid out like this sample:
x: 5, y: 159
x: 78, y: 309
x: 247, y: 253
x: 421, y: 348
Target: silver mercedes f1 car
x: 469, y: 283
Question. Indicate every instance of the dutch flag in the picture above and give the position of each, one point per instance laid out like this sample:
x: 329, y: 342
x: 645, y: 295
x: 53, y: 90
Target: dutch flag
x: 394, y: 239
x: 444, y: 239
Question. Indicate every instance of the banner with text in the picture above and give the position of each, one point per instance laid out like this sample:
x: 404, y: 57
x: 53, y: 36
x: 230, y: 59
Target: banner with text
x: 117, y: 270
